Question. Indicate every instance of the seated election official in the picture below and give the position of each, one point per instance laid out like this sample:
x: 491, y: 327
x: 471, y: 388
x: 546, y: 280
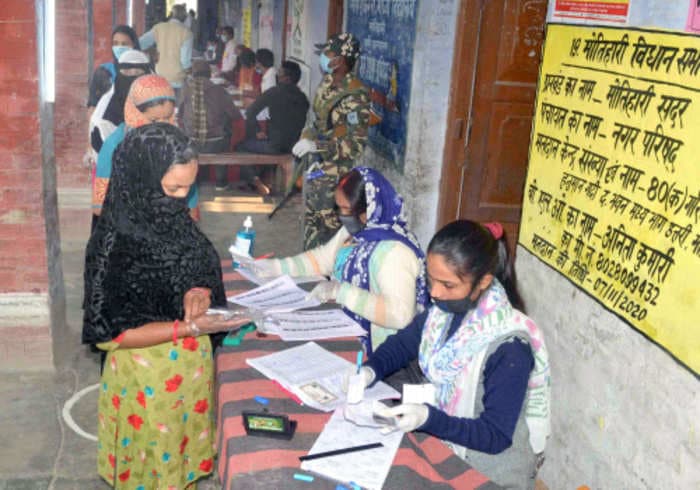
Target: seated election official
x: 375, y: 263
x: 486, y: 360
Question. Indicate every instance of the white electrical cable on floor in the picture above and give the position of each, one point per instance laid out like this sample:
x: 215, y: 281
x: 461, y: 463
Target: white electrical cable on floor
x: 68, y: 418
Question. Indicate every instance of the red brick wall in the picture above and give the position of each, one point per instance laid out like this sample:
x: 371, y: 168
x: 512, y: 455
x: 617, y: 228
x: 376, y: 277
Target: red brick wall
x: 70, y: 112
x: 102, y: 28
x: 139, y: 16
x: 120, y: 10
x: 72, y: 78
x: 25, y: 342
x: 23, y: 265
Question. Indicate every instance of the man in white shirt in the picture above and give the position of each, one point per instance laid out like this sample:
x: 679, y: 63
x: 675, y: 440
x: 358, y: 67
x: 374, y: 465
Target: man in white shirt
x: 264, y: 61
x: 228, y: 60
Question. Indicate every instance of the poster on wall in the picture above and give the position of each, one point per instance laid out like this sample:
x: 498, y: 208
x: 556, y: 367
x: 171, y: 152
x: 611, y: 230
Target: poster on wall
x: 247, y: 22
x: 296, y: 30
x: 602, y: 12
x: 612, y: 195
x: 386, y: 31
x: 692, y: 24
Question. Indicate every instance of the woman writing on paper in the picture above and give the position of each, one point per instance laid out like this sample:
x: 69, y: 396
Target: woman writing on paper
x: 150, y: 276
x: 486, y: 360
x: 375, y: 262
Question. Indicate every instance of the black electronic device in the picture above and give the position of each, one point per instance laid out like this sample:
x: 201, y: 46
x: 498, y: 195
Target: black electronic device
x: 268, y: 425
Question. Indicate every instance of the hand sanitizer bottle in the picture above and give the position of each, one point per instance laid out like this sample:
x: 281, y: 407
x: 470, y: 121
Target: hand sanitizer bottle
x: 245, y: 237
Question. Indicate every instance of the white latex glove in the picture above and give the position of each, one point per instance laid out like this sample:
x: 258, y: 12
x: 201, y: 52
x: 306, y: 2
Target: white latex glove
x: 367, y: 373
x: 264, y: 267
x: 325, y: 291
x: 410, y: 416
x: 304, y: 146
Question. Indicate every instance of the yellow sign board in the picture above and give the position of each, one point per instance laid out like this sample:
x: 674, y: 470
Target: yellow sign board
x: 247, y: 26
x: 612, y: 197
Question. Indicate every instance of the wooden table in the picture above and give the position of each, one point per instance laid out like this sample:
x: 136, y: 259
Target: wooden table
x: 246, y: 462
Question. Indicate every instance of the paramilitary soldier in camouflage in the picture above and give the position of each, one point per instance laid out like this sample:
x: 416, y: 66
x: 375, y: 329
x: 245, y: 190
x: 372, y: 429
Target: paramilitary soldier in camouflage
x: 336, y: 138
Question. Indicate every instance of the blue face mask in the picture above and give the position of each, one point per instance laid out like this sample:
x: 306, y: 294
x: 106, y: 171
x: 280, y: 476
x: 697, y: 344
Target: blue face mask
x: 118, y: 50
x: 325, y: 61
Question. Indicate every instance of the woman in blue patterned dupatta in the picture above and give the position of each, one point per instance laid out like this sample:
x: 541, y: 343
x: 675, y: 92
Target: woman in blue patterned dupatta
x: 376, y: 265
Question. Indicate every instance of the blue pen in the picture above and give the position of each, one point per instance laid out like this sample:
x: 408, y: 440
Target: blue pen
x: 359, y: 361
x: 302, y: 477
x: 261, y: 400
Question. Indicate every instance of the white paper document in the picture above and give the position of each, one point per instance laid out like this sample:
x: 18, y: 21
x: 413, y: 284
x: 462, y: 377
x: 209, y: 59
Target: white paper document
x: 315, y: 375
x: 368, y: 468
x: 254, y: 278
x: 313, y: 325
x: 280, y: 295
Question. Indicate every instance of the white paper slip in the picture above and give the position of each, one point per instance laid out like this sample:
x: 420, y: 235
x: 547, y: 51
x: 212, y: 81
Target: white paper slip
x: 254, y: 278
x: 280, y: 295
x: 368, y: 468
x: 315, y: 375
x: 314, y: 325
x: 423, y: 393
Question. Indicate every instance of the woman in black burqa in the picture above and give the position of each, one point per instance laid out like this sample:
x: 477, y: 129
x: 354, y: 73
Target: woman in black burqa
x: 150, y: 276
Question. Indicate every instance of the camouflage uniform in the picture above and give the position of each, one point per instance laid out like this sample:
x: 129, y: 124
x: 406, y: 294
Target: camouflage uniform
x: 340, y: 133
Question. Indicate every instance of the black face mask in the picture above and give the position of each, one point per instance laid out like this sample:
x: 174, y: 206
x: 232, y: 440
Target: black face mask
x: 462, y: 305
x: 351, y: 223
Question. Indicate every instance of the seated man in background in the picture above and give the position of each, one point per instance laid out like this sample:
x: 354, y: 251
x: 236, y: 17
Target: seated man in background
x: 287, y: 106
x: 206, y: 112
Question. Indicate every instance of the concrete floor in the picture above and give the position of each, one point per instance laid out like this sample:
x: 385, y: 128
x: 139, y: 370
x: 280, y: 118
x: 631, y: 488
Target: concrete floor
x: 39, y: 450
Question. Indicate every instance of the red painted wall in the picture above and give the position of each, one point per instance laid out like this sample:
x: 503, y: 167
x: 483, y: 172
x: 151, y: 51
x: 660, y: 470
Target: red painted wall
x: 72, y: 78
x: 23, y: 262
x: 70, y: 116
x: 23, y: 266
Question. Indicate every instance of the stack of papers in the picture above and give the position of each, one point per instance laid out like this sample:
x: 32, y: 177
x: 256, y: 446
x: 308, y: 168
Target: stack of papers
x: 280, y: 295
x: 313, y: 325
x: 315, y: 375
x: 368, y: 468
x: 278, y: 300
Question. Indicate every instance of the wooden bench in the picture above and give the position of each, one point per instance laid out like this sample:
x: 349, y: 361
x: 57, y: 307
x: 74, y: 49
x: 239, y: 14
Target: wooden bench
x: 283, y: 162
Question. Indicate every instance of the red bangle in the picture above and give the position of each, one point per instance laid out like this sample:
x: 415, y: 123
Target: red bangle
x: 201, y: 290
x: 176, y: 323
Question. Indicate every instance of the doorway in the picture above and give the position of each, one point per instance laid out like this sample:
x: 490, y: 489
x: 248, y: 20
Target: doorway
x: 497, y: 56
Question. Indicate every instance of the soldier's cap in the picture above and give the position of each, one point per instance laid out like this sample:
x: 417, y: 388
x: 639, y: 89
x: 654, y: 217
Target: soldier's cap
x: 344, y: 44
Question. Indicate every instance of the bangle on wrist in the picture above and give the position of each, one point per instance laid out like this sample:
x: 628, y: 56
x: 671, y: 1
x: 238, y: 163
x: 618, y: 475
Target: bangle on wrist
x: 193, y: 329
x: 200, y: 290
x: 176, y: 324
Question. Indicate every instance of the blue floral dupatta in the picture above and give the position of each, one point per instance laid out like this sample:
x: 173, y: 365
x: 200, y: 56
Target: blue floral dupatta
x: 385, y: 221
